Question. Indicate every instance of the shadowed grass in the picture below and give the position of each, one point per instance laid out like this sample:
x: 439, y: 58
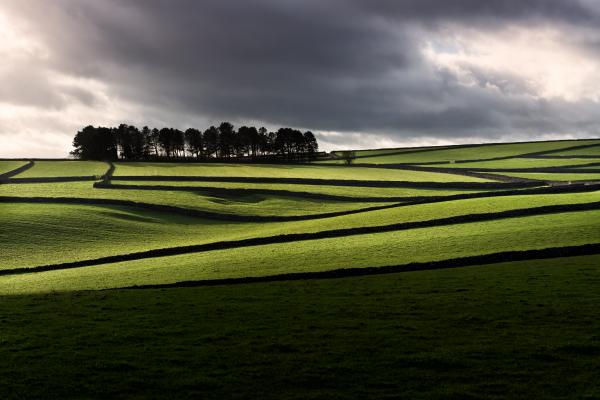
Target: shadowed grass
x: 518, y: 330
x: 263, y: 205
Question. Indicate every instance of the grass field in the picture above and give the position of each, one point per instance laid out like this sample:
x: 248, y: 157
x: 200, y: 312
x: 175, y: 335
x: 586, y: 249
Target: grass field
x: 574, y: 176
x: 513, y: 330
x: 350, y: 191
x: 446, y: 154
x: 523, y: 163
x: 380, y: 152
x: 242, y: 205
x: 6, y: 166
x: 590, y: 151
x: 281, y: 171
x: 487, y: 293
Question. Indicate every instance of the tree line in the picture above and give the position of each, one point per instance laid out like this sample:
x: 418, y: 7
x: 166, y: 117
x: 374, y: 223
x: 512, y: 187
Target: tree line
x: 127, y: 142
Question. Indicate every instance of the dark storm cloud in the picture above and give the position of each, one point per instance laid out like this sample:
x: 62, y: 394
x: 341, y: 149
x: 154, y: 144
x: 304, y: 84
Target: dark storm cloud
x: 321, y: 65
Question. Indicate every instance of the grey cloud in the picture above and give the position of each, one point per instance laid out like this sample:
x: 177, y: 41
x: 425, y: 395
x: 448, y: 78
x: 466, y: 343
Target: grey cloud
x: 352, y: 66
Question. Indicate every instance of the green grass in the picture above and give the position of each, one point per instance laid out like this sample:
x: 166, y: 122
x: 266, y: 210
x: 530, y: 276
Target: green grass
x: 29, y: 233
x: 370, y: 250
x: 474, y: 153
x: 522, y: 163
x: 6, y: 166
x: 514, y: 330
x: 556, y: 176
x: 97, y: 231
x: 263, y: 205
x: 283, y: 171
x: 590, y: 151
x: 379, y: 152
x: 45, y: 169
x: 350, y: 191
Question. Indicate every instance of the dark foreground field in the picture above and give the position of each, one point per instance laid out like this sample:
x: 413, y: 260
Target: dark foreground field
x: 191, y: 280
x: 525, y: 330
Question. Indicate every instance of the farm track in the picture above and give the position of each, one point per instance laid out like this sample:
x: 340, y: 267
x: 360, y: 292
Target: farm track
x: 328, y: 234
x: 480, y: 260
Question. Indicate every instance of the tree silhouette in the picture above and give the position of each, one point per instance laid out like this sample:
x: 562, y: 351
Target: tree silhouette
x: 127, y: 142
x: 211, y: 141
x: 164, y: 141
x: 95, y: 144
x: 195, y: 144
x: 226, y: 139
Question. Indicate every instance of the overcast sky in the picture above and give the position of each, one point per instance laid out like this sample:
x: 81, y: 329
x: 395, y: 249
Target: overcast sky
x: 361, y: 74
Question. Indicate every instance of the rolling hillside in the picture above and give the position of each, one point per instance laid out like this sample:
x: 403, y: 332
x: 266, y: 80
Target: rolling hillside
x: 445, y: 262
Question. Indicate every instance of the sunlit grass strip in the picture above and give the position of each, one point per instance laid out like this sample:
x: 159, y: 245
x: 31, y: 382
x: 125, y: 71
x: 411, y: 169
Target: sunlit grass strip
x: 478, y: 260
x: 288, y: 238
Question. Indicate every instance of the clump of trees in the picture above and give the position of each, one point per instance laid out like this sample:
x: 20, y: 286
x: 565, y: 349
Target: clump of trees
x: 127, y: 142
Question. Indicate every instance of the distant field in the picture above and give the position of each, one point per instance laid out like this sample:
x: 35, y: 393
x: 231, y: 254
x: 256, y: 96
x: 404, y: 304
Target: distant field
x: 6, y: 166
x: 522, y: 163
x: 350, y: 191
x: 44, y: 169
x: 262, y: 205
x: 84, y: 228
x: 501, y: 301
x: 474, y: 153
x: 380, y: 152
x: 420, y: 245
x: 590, y: 151
x: 282, y: 171
x: 556, y: 177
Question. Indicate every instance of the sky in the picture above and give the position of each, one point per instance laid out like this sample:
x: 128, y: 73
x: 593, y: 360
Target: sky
x: 358, y: 73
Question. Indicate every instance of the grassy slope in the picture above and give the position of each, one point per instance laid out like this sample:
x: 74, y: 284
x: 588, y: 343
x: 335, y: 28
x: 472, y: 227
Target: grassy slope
x: 350, y: 191
x: 6, y: 166
x: 95, y: 231
x: 517, y: 330
x: 43, y: 169
x: 417, y: 245
x: 283, y: 171
x: 524, y: 329
x: 473, y: 153
x: 522, y: 163
x: 556, y: 176
x: 590, y: 151
x: 243, y: 205
x: 378, y: 152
